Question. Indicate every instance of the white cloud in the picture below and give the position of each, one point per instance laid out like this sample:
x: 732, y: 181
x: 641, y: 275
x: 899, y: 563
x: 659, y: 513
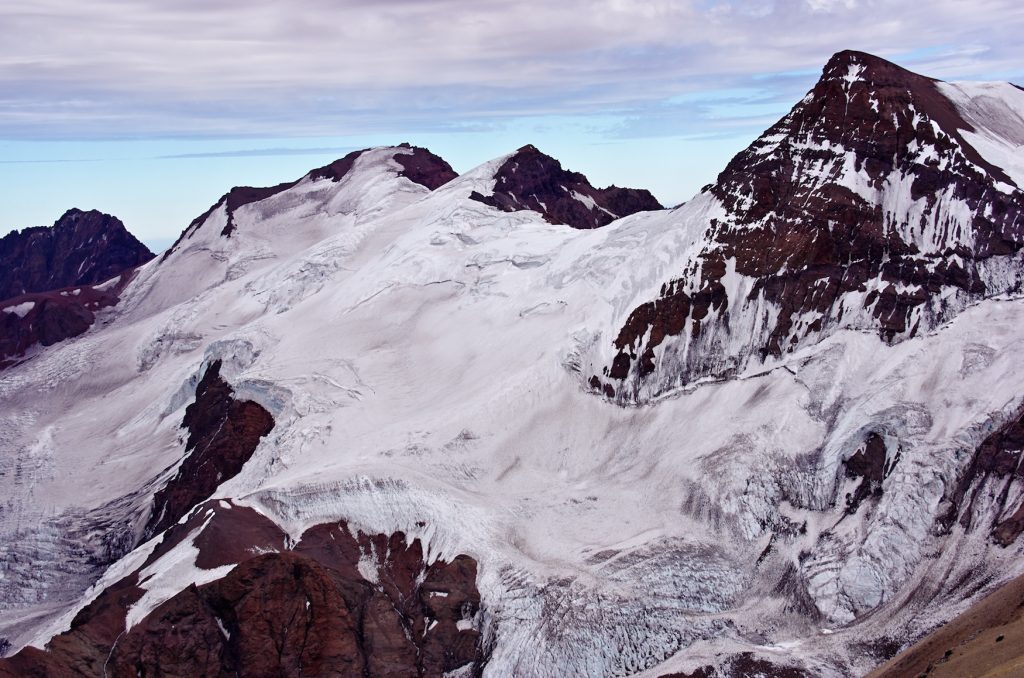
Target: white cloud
x: 112, y: 67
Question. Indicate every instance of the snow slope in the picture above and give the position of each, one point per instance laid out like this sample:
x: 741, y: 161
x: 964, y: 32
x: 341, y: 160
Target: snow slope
x: 425, y: 359
x: 994, y: 109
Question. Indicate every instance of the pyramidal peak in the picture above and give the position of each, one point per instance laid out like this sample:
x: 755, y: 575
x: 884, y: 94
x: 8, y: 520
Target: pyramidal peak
x: 884, y: 201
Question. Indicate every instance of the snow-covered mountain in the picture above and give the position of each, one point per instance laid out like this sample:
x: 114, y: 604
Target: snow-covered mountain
x: 390, y: 419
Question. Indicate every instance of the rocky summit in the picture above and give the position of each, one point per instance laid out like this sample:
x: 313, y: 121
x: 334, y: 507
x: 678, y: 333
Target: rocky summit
x: 81, y: 248
x: 390, y: 420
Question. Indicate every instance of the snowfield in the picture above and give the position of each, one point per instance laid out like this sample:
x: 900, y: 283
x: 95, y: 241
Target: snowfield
x: 425, y: 359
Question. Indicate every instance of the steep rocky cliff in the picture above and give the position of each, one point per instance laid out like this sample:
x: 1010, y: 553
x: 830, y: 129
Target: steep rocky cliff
x: 869, y: 206
x: 81, y: 248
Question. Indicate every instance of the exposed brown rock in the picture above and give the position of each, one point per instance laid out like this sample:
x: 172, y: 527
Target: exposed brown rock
x: 743, y: 665
x: 274, y: 615
x: 53, y: 317
x: 336, y: 170
x: 223, y: 434
x: 233, y: 535
x: 807, y: 241
x: 83, y: 650
x: 302, y: 612
x: 986, y: 640
x: 871, y: 464
x: 993, y: 468
x: 424, y: 168
x: 421, y: 594
x: 531, y: 180
x: 54, y: 269
x: 81, y: 248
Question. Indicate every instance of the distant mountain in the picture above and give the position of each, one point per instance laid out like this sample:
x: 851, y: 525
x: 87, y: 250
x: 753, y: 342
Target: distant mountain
x: 81, y: 248
x: 54, y: 279
x: 531, y: 180
x: 387, y: 420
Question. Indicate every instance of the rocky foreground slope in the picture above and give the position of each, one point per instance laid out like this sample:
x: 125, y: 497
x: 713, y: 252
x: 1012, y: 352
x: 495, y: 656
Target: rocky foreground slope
x: 401, y: 422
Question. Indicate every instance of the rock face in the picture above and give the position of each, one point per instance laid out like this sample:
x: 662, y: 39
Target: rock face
x: 222, y: 435
x: 869, y: 465
x: 304, y: 611
x: 47, y: 318
x: 990, y: 486
x: 531, y: 180
x: 81, y: 248
x: 49, y: 276
x: 424, y: 168
x: 865, y: 207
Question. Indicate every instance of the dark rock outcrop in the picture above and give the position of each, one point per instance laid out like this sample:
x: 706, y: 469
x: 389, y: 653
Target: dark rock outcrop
x: 871, y: 465
x: 424, y: 168
x: 864, y: 207
x: 990, y: 479
x: 745, y: 664
x: 50, y: 278
x: 47, y: 318
x: 308, y: 611
x: 531, y: 180
x: 222, y: 435
x: 81, y: 248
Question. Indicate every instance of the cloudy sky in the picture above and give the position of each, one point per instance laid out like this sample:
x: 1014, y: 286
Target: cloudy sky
x: 151, y: 109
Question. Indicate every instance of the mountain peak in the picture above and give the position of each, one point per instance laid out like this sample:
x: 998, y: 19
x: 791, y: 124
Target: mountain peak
x: 529, y: 149
x: 418, y: 165
x: 867, y: 206
x: 529, y: 179
x: 841, y: 62
x: 423, y: 167
x: 81, y: 248
x: 48, y: 277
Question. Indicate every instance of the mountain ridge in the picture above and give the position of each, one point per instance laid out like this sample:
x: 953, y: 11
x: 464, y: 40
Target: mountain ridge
x: 425, y: 357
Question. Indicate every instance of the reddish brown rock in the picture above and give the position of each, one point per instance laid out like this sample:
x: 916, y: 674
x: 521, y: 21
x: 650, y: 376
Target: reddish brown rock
x: 47, y: 278
x: 424, y: 168
x: 81, y: 248
x: 807, y: 240
x: 223, y: 434
x: 871, y: 465
x: 48, y: 318
x: 83, y: 650
x: 431, y: 600
x: 531, y: 180
x: 302, y: 612
x: 274, y: 615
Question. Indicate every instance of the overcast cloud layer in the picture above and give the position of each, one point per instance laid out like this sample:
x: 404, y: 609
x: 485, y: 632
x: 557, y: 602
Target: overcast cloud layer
x: 128, y: 68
